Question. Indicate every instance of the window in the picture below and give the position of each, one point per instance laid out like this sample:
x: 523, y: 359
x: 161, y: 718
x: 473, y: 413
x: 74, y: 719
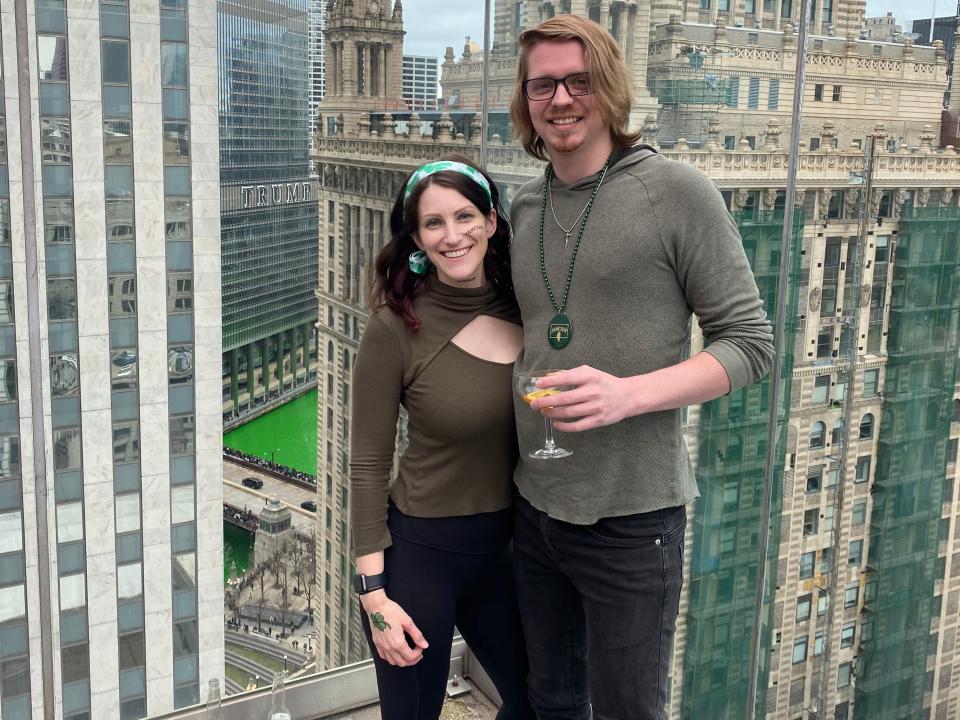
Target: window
x: 806, y: 565
x: 818, y: 432
x: 733, y: 92
x: 814, y: 479
x: 823, y: 602
x: 863, y: 469
x: 851, y: 595
x: 825, y: 344
x: 753, y: 93
x: 855, y: 554
x: 836, y: 93
x: 786, y: 9
x: 866, y: 427
x: 859, y: 513
x: 800, y: 650
x: 814, y: 143
x: 881, y: 253
x: 821, y: 389
x: 843, y: 675
x: 804, y: 604
x: 773, y: 96
x: 836, y: 432
x: 818, y: 92
x: 846, y: 635
x: 870, y: 378
x: 818, y: 643
x: 827, y: 13
x: 750, y: 7
x: 811, y: 519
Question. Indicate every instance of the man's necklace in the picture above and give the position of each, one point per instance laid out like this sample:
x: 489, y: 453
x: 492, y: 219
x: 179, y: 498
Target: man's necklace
x: 567, y: 232
x: 560, y: 329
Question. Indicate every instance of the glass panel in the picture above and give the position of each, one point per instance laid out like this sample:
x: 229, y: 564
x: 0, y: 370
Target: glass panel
x: 123, y: 369
x: 178, y: 219
x: 73, y: 627
x: 55, y: 143
x: 66, y: 412
x: 73, y: 591
x: 58, y: 221
x: 118, y: 180
x: 116, y: 101
x: 129, y: 581
x: 54, y: 99
x: 126, y: 443
x: 181, y: 435
x: 51, y: 17
x: 181, y: 504
x: 179, y: 256
x: 131, y: 651
x: 121, y: 257
x: 117, y: 145
x: 130, y: 615
x: 179, y: 292
x: 126, y: 478
x: 12, y: 603
x: 113, y: 20
x: 120, y: 226
x: 174, y: 71
x: 128, y: 512
x: 75, y: 661
x: 125, y: 406
x: 180, y: 328
x: 176, y: 145
x: 9, y: 456
x: 122, y: 291
x: 175, y: 105
x: 8, y: 379
x: 11, y: 532
x: 123, y: 332
x: 60, y: 260
x: 62, y: 299
x: 64, y: 375
x: 69, y: 522
x: 13, y: 641
x: 52, y: 57
x: 57, y: 180
x: 176, y: 180
x: 128, y: 547
x: 116, y: 61
x: 66, y: 449
x: 184, y: 571
x: 71, y: 558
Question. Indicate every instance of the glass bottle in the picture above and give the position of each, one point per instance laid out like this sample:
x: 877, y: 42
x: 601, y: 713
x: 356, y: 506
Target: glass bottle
x: 214, y: 710
x: 278, y: 700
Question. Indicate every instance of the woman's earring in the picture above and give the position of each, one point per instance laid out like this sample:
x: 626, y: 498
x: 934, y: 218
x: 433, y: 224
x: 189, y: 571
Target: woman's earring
x: 418, y: 262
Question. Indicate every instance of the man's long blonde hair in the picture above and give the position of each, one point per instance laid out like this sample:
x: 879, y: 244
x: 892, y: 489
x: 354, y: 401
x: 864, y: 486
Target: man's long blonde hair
x: 609, y: 79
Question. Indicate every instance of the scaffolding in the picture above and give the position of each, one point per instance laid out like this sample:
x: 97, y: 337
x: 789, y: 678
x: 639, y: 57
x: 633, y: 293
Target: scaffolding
x: 731, y: 463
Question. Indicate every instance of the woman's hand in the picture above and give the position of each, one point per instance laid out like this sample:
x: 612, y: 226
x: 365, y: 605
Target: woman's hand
x: 389, y: 626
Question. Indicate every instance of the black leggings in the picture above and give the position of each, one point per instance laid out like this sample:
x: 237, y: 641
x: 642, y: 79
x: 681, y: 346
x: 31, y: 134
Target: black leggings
x: 447, y: 572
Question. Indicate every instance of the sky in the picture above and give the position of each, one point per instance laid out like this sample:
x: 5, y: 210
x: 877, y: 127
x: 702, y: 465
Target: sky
x: 431, y: 25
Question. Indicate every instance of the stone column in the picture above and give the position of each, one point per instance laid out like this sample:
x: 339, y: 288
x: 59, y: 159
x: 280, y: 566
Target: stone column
x: 234, y: 379
x: 777, y: 11
x: 265, y: 365
x: 307, y: 330
x: 277, y: 339
x: 366, y: 69
x: 251, y: 370
x: 643, y: 102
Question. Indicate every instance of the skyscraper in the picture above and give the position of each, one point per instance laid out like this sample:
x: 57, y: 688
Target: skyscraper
x: 268, y: 204
x: 110, y: 473
x: 421, y: 78
x: 318, y: 10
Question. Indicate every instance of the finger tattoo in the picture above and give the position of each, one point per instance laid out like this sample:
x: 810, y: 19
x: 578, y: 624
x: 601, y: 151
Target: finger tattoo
x: 378, y: 621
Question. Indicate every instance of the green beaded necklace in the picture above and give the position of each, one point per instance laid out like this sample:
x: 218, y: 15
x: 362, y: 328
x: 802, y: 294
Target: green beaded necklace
x: 560, y: 330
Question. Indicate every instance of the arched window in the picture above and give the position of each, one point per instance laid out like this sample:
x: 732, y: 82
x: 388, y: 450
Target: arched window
x: 818, y: 434
x: 866, y: 426
x: 330, y: 351
x: 346, y: 359
x: 956, y: 410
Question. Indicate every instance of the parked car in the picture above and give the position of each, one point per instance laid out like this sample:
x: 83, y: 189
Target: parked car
x: 309, y: 505
x: 252, y: 482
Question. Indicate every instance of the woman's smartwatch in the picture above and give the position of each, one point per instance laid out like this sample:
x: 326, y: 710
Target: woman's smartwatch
x: 362, y: 584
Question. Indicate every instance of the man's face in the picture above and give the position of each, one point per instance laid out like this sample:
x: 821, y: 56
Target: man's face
x: 565, y: 123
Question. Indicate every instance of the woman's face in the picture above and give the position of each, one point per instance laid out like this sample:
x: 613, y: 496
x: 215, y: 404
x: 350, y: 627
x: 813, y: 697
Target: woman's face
x: 453, y: 233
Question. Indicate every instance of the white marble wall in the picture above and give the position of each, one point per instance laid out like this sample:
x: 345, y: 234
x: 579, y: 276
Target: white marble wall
x: 204, y: 119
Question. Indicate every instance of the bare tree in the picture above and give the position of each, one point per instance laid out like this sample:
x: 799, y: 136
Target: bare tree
x: 309, y: 573
x: 260, y: 578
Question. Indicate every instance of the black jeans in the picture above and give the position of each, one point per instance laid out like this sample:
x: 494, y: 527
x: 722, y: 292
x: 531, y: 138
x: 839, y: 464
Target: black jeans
x: 599, y: 606
x: 444, y: 572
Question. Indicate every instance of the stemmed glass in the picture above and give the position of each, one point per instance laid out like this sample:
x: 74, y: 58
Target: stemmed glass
x: 528, y: 391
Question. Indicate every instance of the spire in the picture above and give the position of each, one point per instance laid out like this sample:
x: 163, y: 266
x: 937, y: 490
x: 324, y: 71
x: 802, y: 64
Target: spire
x: 398, y: 10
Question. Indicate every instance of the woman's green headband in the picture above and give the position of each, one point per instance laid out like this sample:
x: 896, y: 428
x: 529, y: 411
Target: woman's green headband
x: 441, y: 165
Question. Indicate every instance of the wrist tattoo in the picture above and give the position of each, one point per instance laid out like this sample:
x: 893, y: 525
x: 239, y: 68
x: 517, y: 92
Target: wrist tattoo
x: 378, y: 621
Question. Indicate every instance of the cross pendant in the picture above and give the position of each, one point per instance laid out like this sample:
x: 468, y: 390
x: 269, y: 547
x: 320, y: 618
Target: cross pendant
x: 566, y: 239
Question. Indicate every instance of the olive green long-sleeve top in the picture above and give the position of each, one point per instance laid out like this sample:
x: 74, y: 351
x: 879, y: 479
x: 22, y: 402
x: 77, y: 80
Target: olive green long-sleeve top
x: 461, y: 442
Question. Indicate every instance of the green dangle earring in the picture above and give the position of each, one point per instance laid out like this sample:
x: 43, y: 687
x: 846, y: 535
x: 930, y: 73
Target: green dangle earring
x: 418, y: 262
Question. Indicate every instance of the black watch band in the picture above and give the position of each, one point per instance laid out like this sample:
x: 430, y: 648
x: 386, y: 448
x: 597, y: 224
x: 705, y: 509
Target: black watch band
x: 362, y: 584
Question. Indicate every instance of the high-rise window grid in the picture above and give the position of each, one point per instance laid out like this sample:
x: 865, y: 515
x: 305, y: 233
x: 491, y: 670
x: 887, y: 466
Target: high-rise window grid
x: 178, y: 209
x: 61, y: 286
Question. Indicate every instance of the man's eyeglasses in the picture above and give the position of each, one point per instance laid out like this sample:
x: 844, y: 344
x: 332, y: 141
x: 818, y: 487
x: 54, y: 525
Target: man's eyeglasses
x: 545, y: 88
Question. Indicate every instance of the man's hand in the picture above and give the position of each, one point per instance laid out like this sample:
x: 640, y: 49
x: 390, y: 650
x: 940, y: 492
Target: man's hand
x: 597, y: 399
x: 389, y: 626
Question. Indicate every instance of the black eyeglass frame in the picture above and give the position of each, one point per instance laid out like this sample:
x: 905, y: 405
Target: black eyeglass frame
x: 556, y: 83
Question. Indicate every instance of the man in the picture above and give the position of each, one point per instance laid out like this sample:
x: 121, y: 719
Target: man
x: 599, y: 535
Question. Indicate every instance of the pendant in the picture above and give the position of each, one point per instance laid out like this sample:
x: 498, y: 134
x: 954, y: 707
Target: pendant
x: 566, y: 239
x: 560, y: 331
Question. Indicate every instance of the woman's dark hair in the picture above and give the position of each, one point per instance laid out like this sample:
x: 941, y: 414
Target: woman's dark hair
x: 396, y: 286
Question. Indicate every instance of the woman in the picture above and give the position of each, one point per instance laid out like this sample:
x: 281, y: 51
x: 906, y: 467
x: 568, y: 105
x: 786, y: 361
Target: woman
x: 432, y: 549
